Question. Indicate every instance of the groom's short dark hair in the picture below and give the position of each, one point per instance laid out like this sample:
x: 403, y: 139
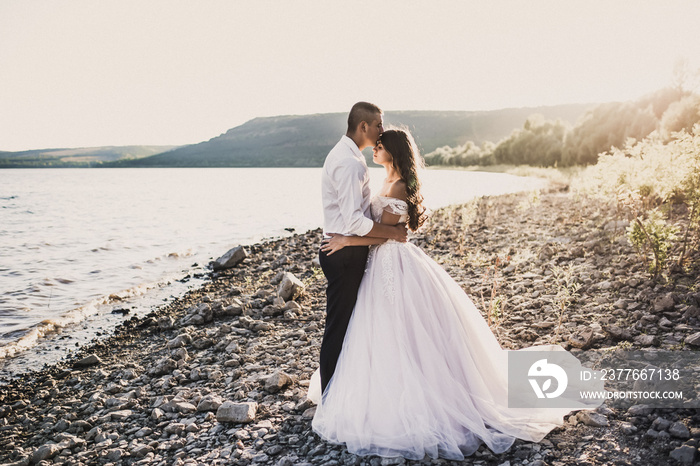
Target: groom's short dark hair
x: 362, y: 111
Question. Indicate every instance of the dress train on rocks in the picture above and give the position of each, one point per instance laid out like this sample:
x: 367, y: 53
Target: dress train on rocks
x: 420, y: 372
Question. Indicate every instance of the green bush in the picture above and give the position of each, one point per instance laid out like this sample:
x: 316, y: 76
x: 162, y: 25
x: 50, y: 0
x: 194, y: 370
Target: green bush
x: 651, y: 169
x: 652, y: 237
x: 647, y: 178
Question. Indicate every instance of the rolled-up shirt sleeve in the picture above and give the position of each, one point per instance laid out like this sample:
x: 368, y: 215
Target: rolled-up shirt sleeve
x: 348, y: 178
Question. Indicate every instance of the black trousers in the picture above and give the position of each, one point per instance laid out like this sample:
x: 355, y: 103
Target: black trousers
x: 343, y: 270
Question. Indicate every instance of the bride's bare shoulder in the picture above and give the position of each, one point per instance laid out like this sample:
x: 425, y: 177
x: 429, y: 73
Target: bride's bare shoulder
x: 397, y: 189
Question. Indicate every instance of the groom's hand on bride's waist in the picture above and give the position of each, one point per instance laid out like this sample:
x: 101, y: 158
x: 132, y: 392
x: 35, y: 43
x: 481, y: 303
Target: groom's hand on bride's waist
x: 401, y: 232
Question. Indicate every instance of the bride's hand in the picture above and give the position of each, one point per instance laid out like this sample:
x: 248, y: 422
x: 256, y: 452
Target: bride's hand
x: 335, y: 243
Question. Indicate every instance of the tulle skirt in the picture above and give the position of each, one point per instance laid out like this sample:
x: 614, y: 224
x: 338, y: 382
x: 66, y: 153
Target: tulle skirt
x: 420, y: 372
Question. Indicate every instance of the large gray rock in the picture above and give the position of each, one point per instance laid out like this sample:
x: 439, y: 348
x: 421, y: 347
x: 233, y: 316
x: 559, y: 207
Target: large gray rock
x: 592, y: 419
x: 236, y: 412
x: 693, y: 339
x: 582, y: 339
x: 664, y: 303
x: 233, y: 309
x: 198, y: 315
x: 114, y: 454
x: 290, y: 287
x: 156, y: 414
x: 232, y: 258
x: 184, y: 407
x: 309, y: 413
x: 141, y: 450
x: 164, y: 366
x: 660, y: 424
x: 68, y: 441
x: 684, y: 454
x: 209, y: 403
x: 121, y: 415
x: 679, y: 430
x: 179, y: 341
x: 639, y: 410
x: 45, y: 452
x: 618, y: 333
x: 277, y: 382
x: 91, y: 360
x: 646, y: 340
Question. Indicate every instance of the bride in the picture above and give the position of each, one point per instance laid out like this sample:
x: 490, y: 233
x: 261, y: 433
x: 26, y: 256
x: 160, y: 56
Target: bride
x: 420, y: 372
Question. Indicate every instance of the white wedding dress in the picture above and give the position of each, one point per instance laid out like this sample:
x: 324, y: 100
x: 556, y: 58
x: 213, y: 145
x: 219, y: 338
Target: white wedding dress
x: 420, y: 372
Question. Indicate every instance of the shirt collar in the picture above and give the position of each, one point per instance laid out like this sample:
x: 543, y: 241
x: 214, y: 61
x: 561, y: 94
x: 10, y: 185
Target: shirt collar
x: 351, y: 144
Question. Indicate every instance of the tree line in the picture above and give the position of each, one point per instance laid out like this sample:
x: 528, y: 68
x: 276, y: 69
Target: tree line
x: 542, y: 142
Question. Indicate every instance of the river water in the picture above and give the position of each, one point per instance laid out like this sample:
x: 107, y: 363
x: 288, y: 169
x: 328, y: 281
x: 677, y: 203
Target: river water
x: 77, y: 244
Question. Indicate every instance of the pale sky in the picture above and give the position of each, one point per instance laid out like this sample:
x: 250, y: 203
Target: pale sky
x: 77, y: 73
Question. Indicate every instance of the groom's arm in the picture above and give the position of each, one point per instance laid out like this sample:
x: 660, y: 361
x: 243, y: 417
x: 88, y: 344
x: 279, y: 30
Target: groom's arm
x: 396, y: 232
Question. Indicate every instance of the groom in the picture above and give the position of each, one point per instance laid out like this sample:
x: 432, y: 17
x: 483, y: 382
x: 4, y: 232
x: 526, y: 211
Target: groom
x: 346, y: 198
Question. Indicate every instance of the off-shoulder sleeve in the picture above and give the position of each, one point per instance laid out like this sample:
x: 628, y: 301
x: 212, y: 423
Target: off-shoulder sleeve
x: 394, y: 206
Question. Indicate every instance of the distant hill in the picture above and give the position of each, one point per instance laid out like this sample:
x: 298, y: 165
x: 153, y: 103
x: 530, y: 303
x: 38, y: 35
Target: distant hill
x: 80, y: 157
x: 304, y: 140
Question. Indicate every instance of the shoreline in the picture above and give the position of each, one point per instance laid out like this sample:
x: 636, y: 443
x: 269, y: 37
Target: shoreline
x: 150, y: 392
x: 56, y: 339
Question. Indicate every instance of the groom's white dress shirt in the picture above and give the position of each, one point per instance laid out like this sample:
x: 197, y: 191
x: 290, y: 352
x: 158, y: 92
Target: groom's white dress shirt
x: 345, y: 191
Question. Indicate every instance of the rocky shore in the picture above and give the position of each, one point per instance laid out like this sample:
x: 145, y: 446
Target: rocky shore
x: 220, y: 375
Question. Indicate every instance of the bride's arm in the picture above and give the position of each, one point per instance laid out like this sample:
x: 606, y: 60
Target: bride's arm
x: 390, y: 219
x: 391, y: 215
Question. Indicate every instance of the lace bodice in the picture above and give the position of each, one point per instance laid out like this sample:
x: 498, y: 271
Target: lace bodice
x: 392, y: 205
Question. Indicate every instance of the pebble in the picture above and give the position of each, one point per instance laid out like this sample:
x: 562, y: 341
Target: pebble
x: 592, y: 419
x: 628, y: 428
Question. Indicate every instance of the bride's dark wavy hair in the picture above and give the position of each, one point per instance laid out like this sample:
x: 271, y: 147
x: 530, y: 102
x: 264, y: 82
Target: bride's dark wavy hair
x: 407, y: 161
